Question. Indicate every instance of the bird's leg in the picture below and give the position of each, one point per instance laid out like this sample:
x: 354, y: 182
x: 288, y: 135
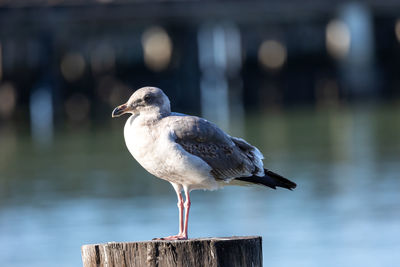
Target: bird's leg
x: 187, y: 208
x: 180, y: 205
x: 183, y: 233
x: 178, y: 189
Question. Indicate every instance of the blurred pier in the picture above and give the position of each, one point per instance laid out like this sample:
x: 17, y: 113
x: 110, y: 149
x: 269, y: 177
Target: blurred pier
x: 77, y: 59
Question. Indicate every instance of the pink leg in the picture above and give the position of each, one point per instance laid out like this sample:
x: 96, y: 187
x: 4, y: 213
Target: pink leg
x: 187, y: 208
x: 180, y: 205
x: 178, y: 189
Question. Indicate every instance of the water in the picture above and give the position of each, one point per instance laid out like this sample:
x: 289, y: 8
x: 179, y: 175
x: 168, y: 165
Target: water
x: 86, y: 188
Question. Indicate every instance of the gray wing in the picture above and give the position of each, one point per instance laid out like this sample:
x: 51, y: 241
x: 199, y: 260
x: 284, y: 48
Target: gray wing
x: 228, y: 157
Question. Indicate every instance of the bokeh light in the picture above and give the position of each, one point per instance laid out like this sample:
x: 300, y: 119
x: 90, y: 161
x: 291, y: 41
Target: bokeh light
x: 157, y: 48
x: 397, y: 29
x: 112, y: 91
x: 7, y: 100
x: 272, y: 54
x: 338, y: 39
x: 8, y: 145
x: 327, y: 93
x: 102, y: 58
x: 77, y: 107
x: 72, y: 66
x: 1, y: 62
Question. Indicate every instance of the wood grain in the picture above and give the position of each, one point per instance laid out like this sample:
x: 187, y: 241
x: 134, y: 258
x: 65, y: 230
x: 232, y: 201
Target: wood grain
x: 219, y: 251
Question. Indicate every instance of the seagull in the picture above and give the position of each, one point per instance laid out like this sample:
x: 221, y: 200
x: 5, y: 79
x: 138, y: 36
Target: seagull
x: 189, y: 152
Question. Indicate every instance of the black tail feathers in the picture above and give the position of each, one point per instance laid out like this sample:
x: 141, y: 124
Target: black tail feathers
x: 270, y: 179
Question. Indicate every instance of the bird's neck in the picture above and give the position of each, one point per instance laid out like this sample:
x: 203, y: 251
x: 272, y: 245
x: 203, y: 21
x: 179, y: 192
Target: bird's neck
x: 150, y: 117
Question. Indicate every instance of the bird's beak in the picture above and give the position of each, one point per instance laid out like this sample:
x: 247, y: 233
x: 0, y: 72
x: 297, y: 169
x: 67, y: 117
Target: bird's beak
x: 118, y: 111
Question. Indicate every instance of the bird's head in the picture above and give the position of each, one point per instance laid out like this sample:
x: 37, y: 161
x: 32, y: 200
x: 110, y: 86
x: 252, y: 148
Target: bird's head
x: 145, y: 100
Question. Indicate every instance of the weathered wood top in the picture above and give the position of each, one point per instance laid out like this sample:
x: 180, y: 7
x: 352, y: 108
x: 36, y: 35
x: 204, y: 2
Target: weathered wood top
x: 215, y: 251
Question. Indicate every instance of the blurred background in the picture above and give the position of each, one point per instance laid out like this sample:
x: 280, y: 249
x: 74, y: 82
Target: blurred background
x: 315, y: 85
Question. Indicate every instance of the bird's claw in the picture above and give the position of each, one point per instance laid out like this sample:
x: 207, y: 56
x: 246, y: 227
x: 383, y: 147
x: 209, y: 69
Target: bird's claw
x: 172, y: 237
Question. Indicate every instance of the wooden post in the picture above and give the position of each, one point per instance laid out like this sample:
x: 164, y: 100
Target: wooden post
x: 213, y: 252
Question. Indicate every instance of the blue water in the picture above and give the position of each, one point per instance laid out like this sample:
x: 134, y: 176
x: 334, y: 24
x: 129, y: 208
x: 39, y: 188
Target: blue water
x: 85, y: 188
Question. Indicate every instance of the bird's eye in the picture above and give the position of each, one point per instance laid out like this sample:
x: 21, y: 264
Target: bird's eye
x: 147, y: 98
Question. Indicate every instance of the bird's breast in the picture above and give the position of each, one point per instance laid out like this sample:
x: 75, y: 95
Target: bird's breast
x: 160, y: 155
x: 148, y: 146
x: 139, y: 140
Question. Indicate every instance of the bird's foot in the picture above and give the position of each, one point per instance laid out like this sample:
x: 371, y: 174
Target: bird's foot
x: 173, y: 237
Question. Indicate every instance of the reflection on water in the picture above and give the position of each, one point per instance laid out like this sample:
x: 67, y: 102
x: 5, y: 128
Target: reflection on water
x: 87, y: 189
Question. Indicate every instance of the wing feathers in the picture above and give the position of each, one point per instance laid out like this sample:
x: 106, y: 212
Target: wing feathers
x: 227, y: 156
x: 271, y: 179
